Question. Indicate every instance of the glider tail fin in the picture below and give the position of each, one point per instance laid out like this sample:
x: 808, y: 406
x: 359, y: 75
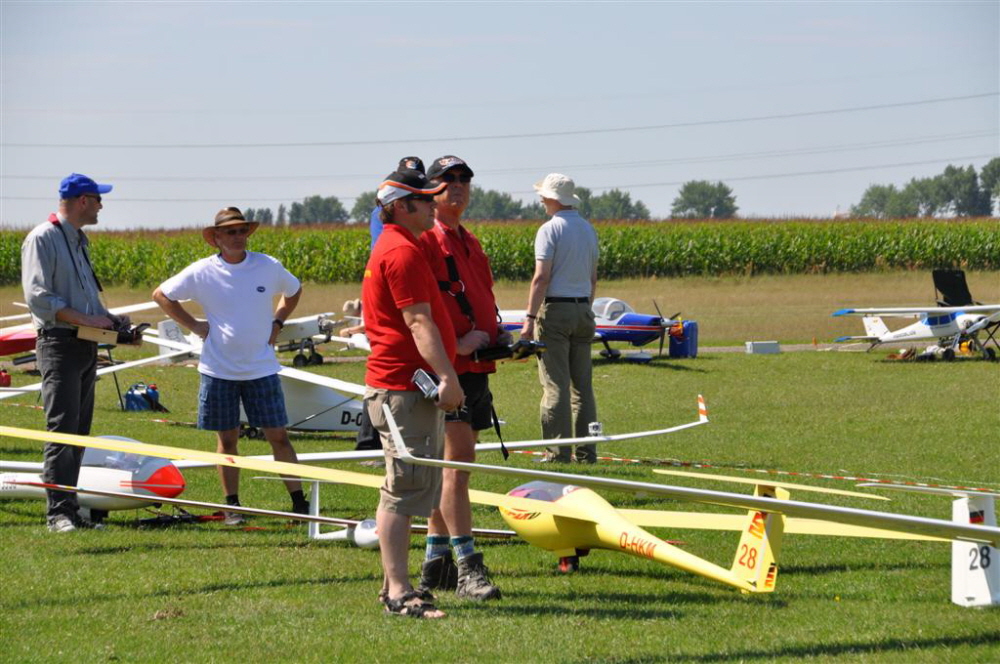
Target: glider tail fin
x: 756, y: 560
x: 874, y: 326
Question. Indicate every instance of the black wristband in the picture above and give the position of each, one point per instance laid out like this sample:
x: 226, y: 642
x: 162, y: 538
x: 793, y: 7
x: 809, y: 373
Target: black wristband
x: 280, y: 323
x: 530, y: 316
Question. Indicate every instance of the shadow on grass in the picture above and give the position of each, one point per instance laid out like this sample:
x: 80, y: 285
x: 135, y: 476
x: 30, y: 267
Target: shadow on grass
x: 837, y: 568
x: 147, y: 547
x: 896, y: 646
x: 209, y: 588
x: 662, y: 365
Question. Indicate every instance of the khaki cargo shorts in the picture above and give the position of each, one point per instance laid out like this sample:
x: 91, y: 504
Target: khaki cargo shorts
x: 409, y: 489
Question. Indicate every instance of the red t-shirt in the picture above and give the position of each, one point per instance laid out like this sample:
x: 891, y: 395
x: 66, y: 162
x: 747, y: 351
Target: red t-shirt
x: 474, y: 271
x: 397, y: 276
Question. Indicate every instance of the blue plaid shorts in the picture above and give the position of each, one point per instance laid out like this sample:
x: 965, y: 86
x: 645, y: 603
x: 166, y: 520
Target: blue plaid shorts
x: 219, y: 403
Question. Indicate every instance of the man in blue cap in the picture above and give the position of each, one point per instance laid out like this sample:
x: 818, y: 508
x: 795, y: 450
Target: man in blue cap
x: 63, y: 292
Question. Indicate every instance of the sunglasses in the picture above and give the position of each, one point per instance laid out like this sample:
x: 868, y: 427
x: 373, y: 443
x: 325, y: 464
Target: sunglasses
x: 239, y: 230
x: 94, y: 196
x: 424, y: 198
x: 464, y: 178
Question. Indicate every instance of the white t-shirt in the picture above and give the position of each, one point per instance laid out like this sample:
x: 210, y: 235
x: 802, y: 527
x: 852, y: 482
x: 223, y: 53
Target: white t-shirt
x: 238, y: 300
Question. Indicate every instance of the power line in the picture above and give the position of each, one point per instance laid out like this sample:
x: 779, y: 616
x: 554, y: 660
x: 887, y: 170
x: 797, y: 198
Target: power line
x: 770, y: 176
x: 738, y: 156
x: 457, y: 139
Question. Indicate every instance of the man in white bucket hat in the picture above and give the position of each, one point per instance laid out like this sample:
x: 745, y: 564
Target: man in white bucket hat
x: 559, y: 314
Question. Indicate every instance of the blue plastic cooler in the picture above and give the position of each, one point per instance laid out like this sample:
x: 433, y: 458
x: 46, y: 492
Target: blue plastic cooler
x: 688, y: 346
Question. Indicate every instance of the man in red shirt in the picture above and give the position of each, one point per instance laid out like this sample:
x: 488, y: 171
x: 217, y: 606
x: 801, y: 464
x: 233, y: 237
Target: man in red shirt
x: 409, y: 329
x: 463, y: 273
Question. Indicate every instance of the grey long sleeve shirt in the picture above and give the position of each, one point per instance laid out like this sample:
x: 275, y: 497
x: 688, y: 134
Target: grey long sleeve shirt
x: 56, y: 274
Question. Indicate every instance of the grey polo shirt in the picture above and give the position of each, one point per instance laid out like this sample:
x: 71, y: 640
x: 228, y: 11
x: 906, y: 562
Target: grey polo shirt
x: 570, y: 243
x: 56, y: 274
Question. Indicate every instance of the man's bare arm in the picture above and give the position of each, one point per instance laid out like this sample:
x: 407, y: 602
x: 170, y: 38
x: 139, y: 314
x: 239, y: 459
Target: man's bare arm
x: 428, y: 341
x: 536, y: 296
x: 177, y: 312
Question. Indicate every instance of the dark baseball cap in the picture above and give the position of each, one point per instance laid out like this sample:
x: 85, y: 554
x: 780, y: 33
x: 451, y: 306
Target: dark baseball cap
x: 75, y: 184
x: 406, y: 182
x: 442, y: 165
x: 411, y: 164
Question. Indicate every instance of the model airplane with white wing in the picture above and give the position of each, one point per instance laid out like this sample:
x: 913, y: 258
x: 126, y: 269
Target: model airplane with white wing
x: 313, y: 402
x: 957, y: 320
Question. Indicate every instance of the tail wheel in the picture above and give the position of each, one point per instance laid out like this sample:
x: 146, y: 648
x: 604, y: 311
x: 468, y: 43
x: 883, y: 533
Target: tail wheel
x: 569, y: 564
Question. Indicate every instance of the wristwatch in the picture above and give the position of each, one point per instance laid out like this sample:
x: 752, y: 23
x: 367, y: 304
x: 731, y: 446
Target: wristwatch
x: 280, y: 323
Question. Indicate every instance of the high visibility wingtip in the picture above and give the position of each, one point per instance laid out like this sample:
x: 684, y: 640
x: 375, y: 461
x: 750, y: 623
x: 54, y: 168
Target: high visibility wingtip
x: 702, y: 409
x: 843, y: 312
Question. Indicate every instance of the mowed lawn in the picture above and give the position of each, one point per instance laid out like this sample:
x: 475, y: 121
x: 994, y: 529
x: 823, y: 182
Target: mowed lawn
x: 210, y: 593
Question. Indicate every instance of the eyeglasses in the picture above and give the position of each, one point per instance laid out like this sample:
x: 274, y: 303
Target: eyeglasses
x: 94, y: 196
x: 464, y: 178
x: 239, y: 230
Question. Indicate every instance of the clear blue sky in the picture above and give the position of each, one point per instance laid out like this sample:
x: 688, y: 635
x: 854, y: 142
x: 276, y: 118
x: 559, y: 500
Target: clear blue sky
x: 473, y: 79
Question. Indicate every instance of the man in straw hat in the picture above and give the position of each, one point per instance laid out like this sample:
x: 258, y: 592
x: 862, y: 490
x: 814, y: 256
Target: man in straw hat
x: 559, y: 314
x: 236, y: 289
x: 409, y: 330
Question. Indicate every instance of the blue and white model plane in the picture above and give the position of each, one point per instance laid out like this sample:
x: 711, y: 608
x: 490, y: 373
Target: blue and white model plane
x: 950, y: 327
x: 617, y: 321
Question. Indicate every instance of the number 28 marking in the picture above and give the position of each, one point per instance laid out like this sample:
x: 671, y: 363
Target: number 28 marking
x: 748, y: 557
x: 980, y: 558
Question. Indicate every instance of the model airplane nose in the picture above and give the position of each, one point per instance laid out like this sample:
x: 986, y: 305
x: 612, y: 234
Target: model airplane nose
x: 166, y: 482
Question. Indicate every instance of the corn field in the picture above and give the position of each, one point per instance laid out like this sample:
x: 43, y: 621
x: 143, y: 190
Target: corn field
x: 325, y: 254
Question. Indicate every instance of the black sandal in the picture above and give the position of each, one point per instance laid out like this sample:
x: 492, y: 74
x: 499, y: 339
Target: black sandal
x: 412, y: 604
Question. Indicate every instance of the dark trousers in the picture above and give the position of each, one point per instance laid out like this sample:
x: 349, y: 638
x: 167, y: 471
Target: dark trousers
x: 68, y: 367
x: 368, y: 438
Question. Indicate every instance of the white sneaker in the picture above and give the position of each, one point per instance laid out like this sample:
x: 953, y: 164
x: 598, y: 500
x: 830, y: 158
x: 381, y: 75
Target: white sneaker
x: 61, y: 524
x: 234, y: 519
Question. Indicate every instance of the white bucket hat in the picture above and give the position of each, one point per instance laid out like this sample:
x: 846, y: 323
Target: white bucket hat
x: 558, y: 187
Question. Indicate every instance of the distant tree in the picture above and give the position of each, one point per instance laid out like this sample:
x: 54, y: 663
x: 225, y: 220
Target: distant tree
x: 584, y: 208
x: 250, y: 214
x: 700, y: 199
x: 956, y: 192
x: 927, y: 196
x: 989, y: 180
x: 961, y: 190
x: 875, y: 201
x: 533, y: 210
x: 616, y: 204
x: 317, y: 210
x: 264, y: 216
x: 282, y: 215
x: 491, y: 204
x: 363, y: 206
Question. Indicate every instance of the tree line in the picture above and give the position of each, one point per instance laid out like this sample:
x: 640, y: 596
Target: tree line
x: 956, y: 192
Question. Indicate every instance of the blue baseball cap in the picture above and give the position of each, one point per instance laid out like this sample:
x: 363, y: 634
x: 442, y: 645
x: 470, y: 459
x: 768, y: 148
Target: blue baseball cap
x: 75, y: 184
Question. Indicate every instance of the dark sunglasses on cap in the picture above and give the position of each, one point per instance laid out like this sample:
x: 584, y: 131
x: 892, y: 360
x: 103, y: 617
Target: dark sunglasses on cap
x: 464, y: 178
x: 426, y: 198
x: 238, y: 230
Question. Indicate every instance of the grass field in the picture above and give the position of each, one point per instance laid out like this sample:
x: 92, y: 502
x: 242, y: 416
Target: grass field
x: 208, y: 593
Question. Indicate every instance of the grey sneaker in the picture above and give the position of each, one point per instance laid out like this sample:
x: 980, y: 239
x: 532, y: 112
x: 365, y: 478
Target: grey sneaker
x: 60, y: 523
x: 474, y: 579
x: 233, y: 519
x: 86, y: 524
x: 438, y: 574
